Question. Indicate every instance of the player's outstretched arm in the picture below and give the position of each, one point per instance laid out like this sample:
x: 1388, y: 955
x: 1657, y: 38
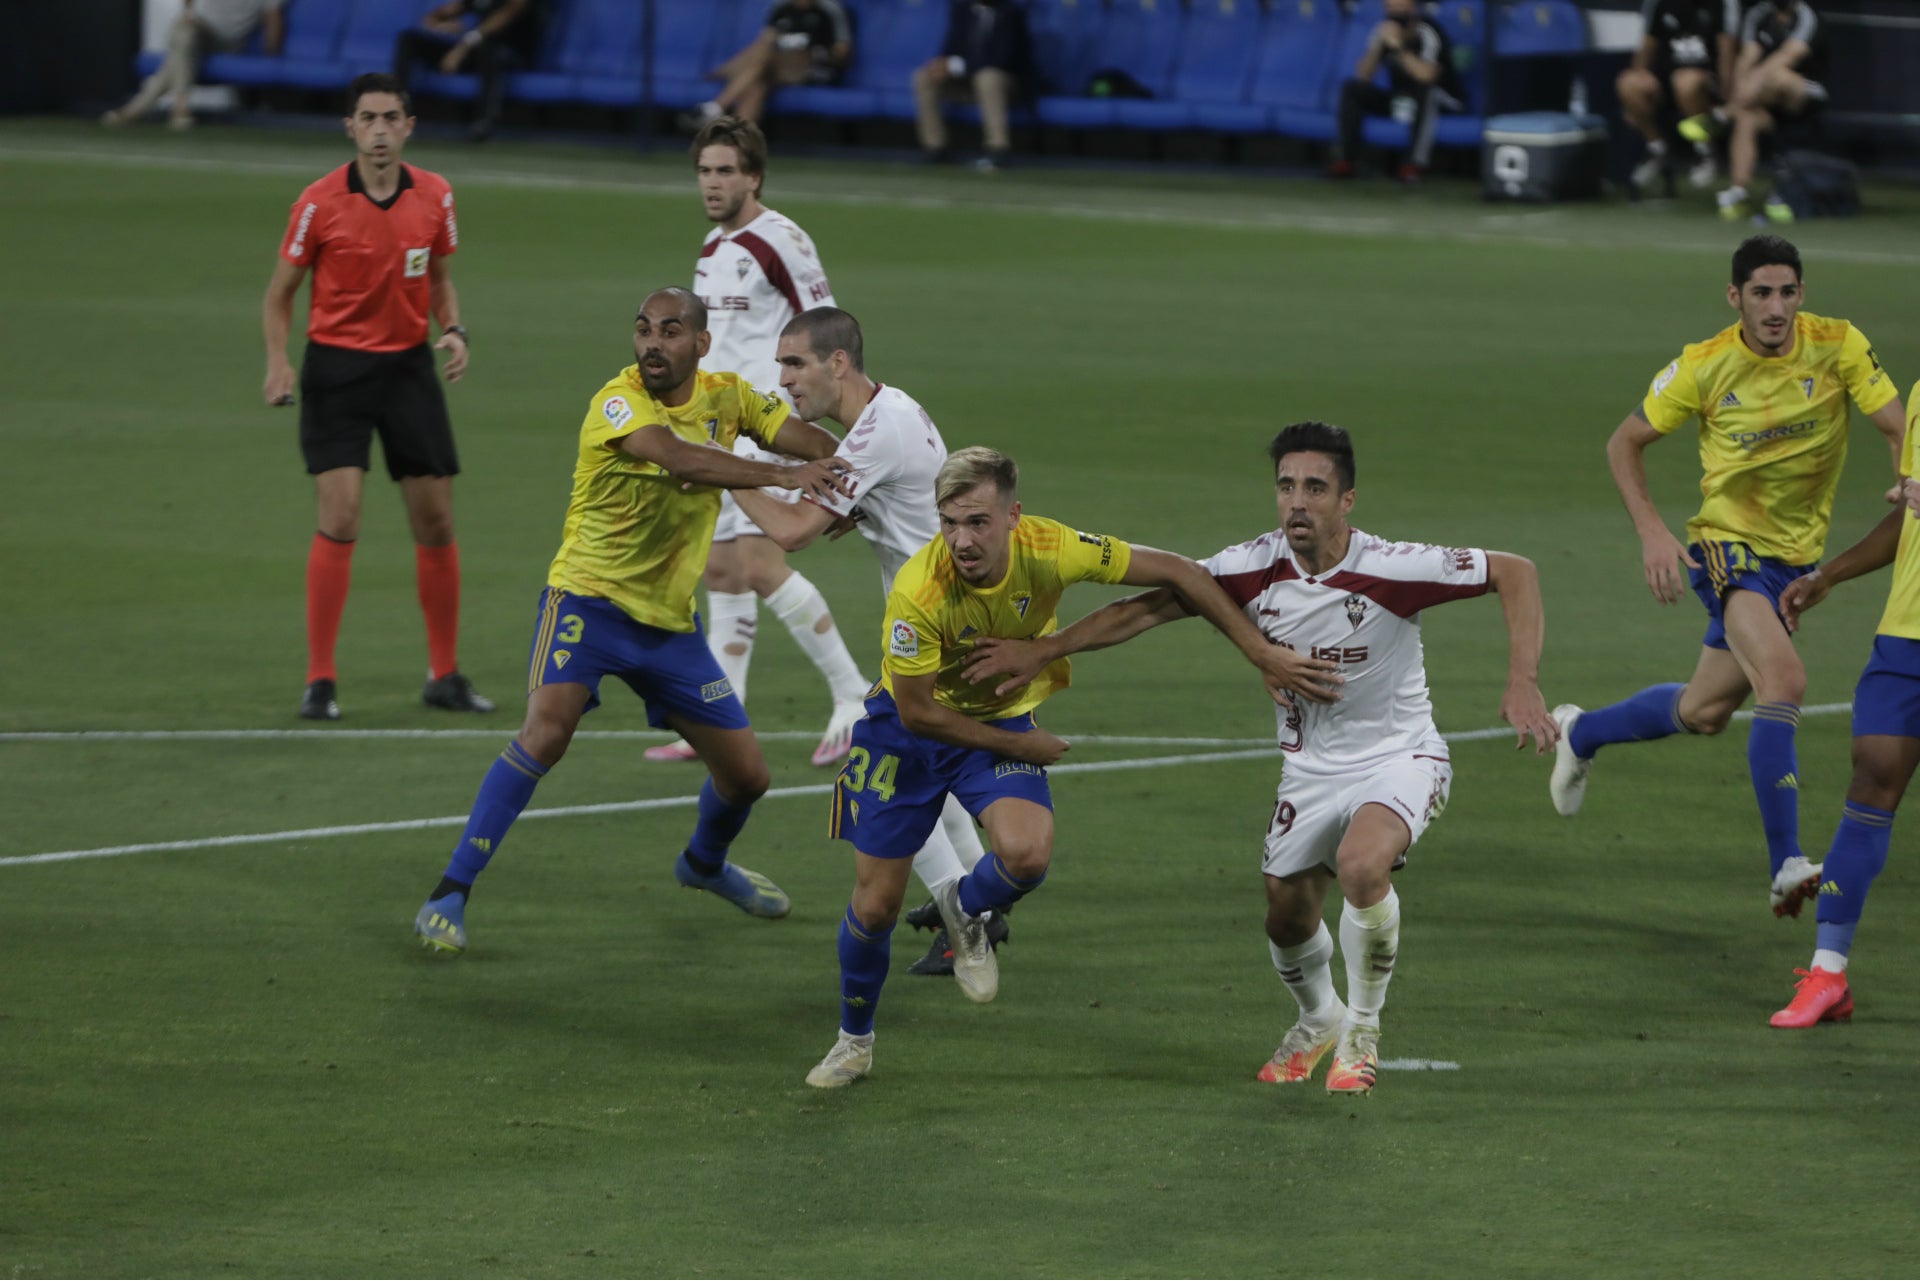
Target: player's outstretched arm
x: 922, y: 714
x: 705, y: 465
x: 1661, y: 554
x: 798, y: 438
x: 792, y: 526
x: 1017, y: 662
x: 1311, y: 678
x: 1891, y: 419
x: 1875, y: 551
x: 1522, y: 706
x: 276, y: 321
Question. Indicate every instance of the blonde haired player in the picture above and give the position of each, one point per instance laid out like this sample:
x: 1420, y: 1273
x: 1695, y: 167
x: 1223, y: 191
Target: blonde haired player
x: 931, y: 732
x: 758, y: 270
x: 1364, y: 776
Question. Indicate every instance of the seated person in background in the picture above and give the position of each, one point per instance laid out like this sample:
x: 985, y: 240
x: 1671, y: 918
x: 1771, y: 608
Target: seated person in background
x: 987, y: 50
x: 204, y: 26
x: 1421, y: 84
x: 1685, y: 58
x: 804, y: 42
x: 505, y: 36
x: 1780, y: 72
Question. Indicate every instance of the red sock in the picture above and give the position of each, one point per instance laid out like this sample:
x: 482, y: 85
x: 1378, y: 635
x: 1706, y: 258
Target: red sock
x: 438, y: 572
x: 329, y: 569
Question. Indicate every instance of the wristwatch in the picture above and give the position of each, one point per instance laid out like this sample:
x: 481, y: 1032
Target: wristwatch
x: 458, y: 329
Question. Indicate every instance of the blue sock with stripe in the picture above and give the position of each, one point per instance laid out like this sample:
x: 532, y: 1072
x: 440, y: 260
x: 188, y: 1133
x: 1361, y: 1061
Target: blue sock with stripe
x: 989, y: 887
x: 1859, y: 852
x: 1652, y: 713
x: 864, y: 955
x: 1775, y: 766
x: 504, y: 792
x: 720, y: 821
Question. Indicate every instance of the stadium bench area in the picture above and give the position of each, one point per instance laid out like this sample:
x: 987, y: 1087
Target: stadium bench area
x: 1236, y: 67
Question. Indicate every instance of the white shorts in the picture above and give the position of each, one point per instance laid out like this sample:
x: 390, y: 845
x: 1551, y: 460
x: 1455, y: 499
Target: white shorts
x: 733, y: 522
x: 1312, y: 811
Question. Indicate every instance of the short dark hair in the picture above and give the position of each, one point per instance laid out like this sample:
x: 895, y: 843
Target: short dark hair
x: 743, y: 136
x: 1317, y: 438
x: 827, y: 330
x: 1756, y: 252
x: 377, y: 82
x: 694, y: 305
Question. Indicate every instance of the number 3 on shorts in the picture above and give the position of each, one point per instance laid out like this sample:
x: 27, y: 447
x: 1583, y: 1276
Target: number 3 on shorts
x: 571, y: 626
x: 882, y: 781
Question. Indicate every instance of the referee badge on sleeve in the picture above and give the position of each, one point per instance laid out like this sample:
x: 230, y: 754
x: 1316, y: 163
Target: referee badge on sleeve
x: 416, y: 262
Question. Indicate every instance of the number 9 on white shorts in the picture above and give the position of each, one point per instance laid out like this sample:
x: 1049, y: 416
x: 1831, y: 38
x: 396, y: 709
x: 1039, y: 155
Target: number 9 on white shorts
x: 1312, y: 811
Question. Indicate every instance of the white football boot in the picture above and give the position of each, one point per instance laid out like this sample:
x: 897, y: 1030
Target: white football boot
x: 1568, y: 786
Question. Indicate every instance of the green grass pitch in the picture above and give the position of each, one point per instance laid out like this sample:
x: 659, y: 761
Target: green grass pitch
x: 233, y: 1060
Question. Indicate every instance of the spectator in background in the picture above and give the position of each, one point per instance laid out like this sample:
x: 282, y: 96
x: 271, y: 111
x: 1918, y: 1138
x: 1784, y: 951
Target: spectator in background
x: 987, y: 49
x: 219, y: 26
x: 1685, y: 58
x: 804, y: 42
x: 1421, y: 83
x: 504, y: 35
x: 1780, y: 72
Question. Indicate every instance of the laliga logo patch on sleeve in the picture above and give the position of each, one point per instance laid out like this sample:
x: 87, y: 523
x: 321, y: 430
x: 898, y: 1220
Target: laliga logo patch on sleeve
x: 903, y: 642
x: 617, y: 411
x: 1666, y: 376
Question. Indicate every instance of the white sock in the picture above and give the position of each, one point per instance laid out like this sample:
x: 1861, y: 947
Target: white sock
x: 1702, y: 149
x: 1657, y: 149
x: 1307, y: 970
x: 965, y: 837
x: 799, y: 605
x: 937, y: 864
x: 731, y: 620
x: 1832, y: 962
x: 1369, y: 940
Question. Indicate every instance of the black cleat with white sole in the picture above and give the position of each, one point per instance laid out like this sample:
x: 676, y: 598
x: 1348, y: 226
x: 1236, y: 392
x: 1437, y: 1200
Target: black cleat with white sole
x: 321, y: 702
x: 455, y: 693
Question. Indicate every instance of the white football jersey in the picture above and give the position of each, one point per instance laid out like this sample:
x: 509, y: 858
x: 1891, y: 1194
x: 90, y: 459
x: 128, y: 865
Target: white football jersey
x: 896, y: 453
x: 754, y: 281
x: 1364, y: 614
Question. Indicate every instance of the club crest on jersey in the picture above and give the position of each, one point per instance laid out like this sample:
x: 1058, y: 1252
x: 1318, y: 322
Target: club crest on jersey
x: 902, y: 640
x: 1356, y: 610
x: 1020, y: 604
x: 1806, y: 385
x: 743, y: 266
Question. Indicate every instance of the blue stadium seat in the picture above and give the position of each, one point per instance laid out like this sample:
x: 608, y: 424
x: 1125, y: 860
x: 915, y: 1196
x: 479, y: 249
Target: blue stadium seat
x: 372, y: 25
x: 1295, y: 65
x: 597, y: 60
x: 306, y: 59
x: 1142, y: 38
x: 1532, y: 28
x: 1223, y: 40
x: 1065, y: 38
x: 890, y: 38
x: 683, y: 40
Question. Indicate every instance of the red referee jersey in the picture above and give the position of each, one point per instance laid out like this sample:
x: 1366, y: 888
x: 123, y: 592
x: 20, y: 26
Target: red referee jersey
x: 369, y: 262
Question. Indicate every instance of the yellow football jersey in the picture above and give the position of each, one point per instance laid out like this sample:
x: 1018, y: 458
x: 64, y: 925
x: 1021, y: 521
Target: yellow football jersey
x: 633, y: 536
x: 1902, y: 617
x: 1773, y: 431
x: 934, y: 616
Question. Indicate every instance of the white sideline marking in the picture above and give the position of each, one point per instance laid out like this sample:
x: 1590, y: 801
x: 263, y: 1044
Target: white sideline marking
x: 1418, y: 1065
x: 1490, y: 229
x: 661, y: 736
x: 627, y: 807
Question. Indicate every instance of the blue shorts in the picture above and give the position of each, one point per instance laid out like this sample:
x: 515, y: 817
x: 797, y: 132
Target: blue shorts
x: 1887, y: 699
x: 888, y: 797
x: 1727, y: 566
x: 579, y: 639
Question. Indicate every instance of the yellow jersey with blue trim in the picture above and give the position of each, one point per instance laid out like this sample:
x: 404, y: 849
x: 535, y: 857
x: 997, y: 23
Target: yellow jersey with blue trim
x: 934, y: 616
x: 1773, y: 431
x: 633, y: 536
x: 1902, y: 616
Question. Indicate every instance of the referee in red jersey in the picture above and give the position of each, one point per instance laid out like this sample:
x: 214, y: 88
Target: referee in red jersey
x: 376, y: 234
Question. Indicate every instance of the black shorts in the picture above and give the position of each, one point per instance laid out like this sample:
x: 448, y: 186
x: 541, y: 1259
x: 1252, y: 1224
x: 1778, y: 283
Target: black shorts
x: 1663, y: 69
x: 346, y: 396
